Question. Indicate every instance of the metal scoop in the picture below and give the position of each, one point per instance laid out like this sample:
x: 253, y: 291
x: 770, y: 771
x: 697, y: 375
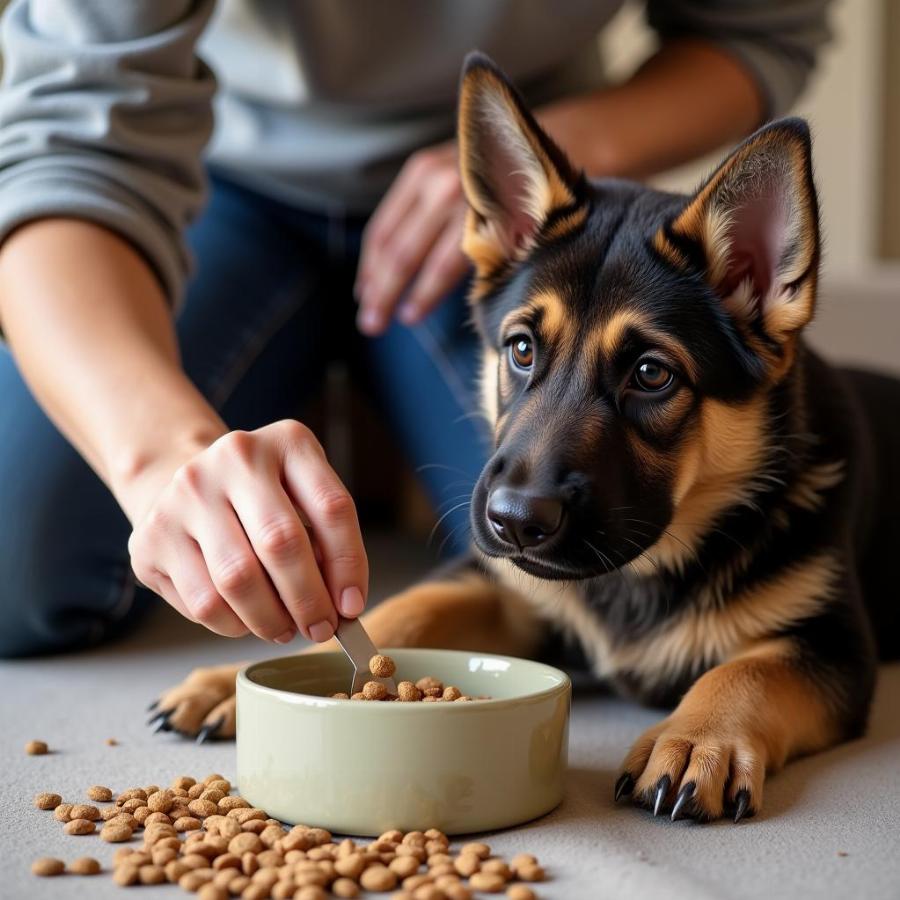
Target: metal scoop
x: 358, y: 646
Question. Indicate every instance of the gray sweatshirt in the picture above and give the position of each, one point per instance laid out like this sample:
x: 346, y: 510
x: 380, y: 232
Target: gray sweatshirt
x: 107, y: 105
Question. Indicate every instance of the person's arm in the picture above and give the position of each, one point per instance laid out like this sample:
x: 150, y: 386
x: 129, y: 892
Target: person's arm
x: 686, y: 100
x: 719, y: 72
x: 216, y: 526
x: 92, y: 260
x: 101, y: 356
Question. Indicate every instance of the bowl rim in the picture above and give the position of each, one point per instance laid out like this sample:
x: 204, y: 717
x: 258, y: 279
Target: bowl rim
x: 563, y: 686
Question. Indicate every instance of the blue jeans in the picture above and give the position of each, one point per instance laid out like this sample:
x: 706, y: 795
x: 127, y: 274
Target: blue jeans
x: 269, y: 307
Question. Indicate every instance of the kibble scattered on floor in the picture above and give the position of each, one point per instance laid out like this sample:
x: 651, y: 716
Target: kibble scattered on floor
x: 200, y: 836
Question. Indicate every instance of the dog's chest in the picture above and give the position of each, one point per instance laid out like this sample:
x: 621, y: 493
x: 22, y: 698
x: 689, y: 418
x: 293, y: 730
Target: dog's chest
x: 628, y: 630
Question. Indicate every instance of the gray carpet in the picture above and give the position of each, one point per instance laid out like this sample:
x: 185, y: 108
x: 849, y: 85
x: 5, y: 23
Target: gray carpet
x: 830, y: 827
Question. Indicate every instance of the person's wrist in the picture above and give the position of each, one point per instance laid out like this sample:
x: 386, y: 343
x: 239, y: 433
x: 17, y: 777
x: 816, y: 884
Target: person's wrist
x: 139, y: 474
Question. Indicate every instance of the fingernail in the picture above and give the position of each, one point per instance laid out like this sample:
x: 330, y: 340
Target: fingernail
x: 408, y: 314
x: 321, y: 631
x: 369, y: 321
x: 352, y: 602
x: 285, y: 638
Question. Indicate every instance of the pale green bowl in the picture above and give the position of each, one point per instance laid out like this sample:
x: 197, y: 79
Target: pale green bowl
x: 357, y: 767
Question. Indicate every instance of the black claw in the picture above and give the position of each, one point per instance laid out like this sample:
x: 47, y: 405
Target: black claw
x: 684, y: 795
x: 624, y: 786
x: 161, y: 721
x: 742, y: 803
x: 662, y: 788
x: 153, y: 705
x: 208, y: 731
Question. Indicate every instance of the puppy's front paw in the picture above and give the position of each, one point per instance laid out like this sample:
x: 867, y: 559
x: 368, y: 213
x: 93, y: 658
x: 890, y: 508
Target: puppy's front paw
x: 202, y: 705
x: 696, y: 768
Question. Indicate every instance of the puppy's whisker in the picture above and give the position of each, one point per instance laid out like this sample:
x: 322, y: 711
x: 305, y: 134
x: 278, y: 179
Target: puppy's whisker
x: 449, y: 512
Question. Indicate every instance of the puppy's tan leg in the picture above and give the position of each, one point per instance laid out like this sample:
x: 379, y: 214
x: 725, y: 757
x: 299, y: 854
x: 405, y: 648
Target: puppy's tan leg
x: 739, y: 721
x: 469, y: 613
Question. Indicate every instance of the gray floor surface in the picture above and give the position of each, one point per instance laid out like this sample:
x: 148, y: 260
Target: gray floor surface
x: 830, y: 827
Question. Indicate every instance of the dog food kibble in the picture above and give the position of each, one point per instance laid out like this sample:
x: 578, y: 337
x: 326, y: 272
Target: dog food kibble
x: 84, y: 811
x: 115, y: 832
x: 84, y: 865
x: 522, y: 859
x: 382, y: 666
x: 47, y: 801
x: 467, y: 864
x: 196, y: 834
x: 374, y: 690
x: 487, y: 882
x: 378, y: 878
x: 497, y: 867
x: 520, y: 892
x: 79, y: 826
x: 47, y: 866
x: 61, y: 812
x: 36, y: 748
x: 408, y: 692
x: 344, y: 887
x: 99, y: 793
x: 530, y: 873
x: 482, y: 851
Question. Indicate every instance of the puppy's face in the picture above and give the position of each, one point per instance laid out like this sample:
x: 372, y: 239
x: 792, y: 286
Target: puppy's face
x: 632, y: 338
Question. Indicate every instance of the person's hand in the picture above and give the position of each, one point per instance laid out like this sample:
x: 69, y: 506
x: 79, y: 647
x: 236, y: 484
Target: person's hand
x: 224, y: 541
x: 410, y: 246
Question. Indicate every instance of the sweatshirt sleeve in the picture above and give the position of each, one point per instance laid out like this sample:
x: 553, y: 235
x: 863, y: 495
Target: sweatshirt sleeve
x: 778, y: 41
x: 104, y: 113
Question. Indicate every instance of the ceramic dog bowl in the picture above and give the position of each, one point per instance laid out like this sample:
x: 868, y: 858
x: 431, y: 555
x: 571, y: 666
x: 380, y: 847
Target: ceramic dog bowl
x: 358, y: 767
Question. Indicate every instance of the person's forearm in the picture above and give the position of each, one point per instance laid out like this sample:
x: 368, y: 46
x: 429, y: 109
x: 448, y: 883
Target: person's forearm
x: 686, y: 100
x: 90, y: 330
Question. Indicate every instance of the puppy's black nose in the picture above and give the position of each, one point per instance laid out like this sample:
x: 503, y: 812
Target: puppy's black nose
x: 522, y: 519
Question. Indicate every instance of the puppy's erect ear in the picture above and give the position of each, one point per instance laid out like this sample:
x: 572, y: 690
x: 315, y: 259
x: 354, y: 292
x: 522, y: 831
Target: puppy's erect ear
x: 754, y: 229
x: 518, y: 183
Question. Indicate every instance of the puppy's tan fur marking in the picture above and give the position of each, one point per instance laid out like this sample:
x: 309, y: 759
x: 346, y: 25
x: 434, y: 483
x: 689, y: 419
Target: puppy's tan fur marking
x: 666, y: 249
x: 566, y: 224
x: 556, y: 323
x: 604, y: 342
x: 718, y: 468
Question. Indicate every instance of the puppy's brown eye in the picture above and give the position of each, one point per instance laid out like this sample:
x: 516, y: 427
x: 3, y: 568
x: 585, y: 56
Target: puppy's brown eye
x: 652, y: 376
x: 522, y: 352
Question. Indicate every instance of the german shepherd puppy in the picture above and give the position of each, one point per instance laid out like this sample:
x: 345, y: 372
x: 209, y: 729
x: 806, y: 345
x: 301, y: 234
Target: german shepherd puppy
x: 678, y: 484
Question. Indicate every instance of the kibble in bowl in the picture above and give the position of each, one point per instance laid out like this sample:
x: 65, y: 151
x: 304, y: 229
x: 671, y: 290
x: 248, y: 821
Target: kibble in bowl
x: 365, y: 767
